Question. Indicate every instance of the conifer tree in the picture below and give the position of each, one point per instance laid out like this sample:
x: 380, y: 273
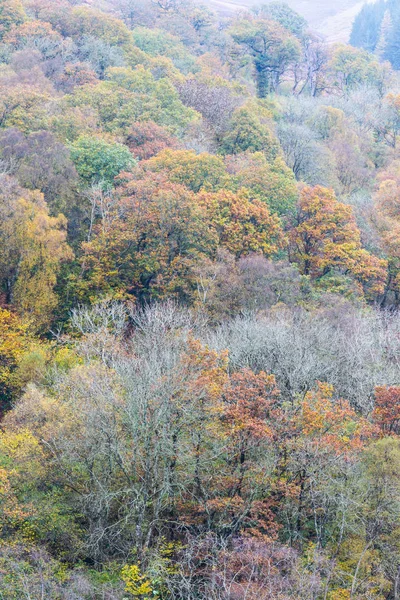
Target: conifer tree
x: 384, y: 35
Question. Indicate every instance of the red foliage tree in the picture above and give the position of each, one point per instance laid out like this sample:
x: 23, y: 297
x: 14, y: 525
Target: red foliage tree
x: 387, y: 409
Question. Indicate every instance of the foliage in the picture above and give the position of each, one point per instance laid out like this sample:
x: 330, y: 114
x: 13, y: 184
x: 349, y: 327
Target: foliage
x: 11, y: 13
x: 325, y: 237
x: 99, y: 161
x: 272, y: 47
x: 34, y: 246
x: 249, y: 132
x: 136, y: 584
x: 200, y: 401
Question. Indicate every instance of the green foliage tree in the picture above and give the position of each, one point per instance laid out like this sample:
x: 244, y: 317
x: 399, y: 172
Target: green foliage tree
x: 99, y: 161
x: 134, y: 95
x: 250, y: 130
x: 159, y: 43
x: 284, y: 15
x: 273, y: 50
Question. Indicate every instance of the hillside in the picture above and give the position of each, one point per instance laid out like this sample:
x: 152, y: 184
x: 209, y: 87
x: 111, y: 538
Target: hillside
x: 333, y: 19
x: 199, y: 305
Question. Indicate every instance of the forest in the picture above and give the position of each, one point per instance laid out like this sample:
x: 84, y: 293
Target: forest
x: 199, y: 303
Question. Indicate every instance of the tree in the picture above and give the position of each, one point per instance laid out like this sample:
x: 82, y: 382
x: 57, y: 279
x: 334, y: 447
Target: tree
x: 284, y: 15
x: 309, y: 160
x: 392, y: 49
x: 147, y: 139
x: 40, y: 162
x: 159, y: 43
x: 85, y: 21
x: 24, y: 105
x: 273, y: 50
x: 380, y: 516
x: 387, y: 222
x: 147, y: 242
x: 99, y: 161
x: 351, y: 68
x: 34, y: 247
x: 249, y: 285
x: 28, y: 33
x: 367, y: 24
x: 152, y: 236
x: 270, y: 181
x: 250, y: 130
x: 214, y: 98
x: 387, y: 120
x: 243, y: 225
x: 325, y: 237
x: 134, y: 95
x: 11, y: 13
x: 196, y: 171
x: 384, y: 32
x: 387, y: 409
x: 14, y: 341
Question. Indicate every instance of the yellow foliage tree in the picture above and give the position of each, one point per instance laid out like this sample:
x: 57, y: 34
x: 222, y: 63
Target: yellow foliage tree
x: 136, y: 584
x: 33, y: 248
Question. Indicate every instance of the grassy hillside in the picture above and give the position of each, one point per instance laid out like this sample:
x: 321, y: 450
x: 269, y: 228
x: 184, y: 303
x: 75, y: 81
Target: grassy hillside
x: 332, y: 18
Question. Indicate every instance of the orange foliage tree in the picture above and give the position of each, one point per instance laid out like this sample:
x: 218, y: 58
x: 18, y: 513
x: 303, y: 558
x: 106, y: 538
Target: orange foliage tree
x: 325, y: 238
x: 387, y: 409
x: 155, y: 232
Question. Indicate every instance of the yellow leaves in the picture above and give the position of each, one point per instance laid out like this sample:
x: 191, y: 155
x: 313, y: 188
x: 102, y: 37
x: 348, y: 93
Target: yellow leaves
x: 29, y: 31
x: 136, y: 584
x: 23, y: 453
x: 13, y: 340
x: 243, y: 226
x: 208, y: 369
x: 18, y: 363
x: 11, y: 13
x: 17, y: 454
x: 340, y: 594
x: 195, y: 171
x: 12, y: 514
x: 326, y: 237
x: 331, y: 423
x: 34, y: 252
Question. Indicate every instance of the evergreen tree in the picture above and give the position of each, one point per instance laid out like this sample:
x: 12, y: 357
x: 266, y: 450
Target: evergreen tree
x: 384, y: 35
x: 367, y: 26
x: 392, y: 50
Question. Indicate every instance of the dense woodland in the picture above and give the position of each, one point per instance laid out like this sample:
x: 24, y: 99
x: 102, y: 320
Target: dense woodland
x: 199, y: 304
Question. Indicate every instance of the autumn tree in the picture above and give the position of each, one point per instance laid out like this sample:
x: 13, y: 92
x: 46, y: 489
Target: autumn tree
x: 243, y: 225
x: 11, y: 13
x: 41, y: 162
x: 196, y: 171
x: 14, y: 341
x: 86, y: 21
x: 388, y: 226
x: 387, y: 409
x: 325, y: 238
x: 134, y: 95
x: 30, y: 33
x: 271, y: 181
x: 147, y: 139
x: 34, y: 247
x: 147, y: 241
